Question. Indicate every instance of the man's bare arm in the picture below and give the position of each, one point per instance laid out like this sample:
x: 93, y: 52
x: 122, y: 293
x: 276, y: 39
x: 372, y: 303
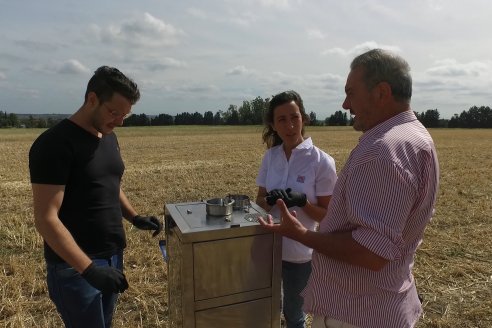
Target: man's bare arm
x: 47, y: 200
x: 338, y: 245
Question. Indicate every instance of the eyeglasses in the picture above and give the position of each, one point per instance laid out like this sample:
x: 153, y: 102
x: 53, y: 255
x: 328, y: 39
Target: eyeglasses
x: 115, y: 114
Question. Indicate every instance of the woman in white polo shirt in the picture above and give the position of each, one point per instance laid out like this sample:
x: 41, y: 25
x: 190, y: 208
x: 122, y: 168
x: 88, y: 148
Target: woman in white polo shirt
x: 304, y: 177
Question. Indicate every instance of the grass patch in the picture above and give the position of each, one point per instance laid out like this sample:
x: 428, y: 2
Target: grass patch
x: 187, y: 163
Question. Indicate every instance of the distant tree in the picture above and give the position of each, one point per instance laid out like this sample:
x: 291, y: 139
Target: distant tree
x: 41, y: 123
x: 11, y: 120
x: 475, y: 117
x: 208, y: 118
x: 218, y: 120
x: 162, y: 119
x: 30, y: 122
x: 258, y: 108
x: 137, y: 120
x: 337, y: 119
x: 184, y: 118
x: 429, y: 119
x: 3, y: 119
x: 245, y: 113
x: 196, y: 118
x: 51, y: 121
x: 454, y: 122
x: 312, y: 119
x: 130, y: 121
x: 231, y: 116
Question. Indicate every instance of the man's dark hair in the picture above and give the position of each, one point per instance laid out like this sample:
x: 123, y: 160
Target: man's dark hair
x: 108, y: 80
x: 382, y: 66
x: 270, y: 137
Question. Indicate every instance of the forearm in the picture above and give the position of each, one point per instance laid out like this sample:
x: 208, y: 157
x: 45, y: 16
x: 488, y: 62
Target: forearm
x: 62, y: 243
x: 315, y: 212
x: 127, y: 209
x: 342, y: 247
x: 260, y: 201
x: 47, y: 200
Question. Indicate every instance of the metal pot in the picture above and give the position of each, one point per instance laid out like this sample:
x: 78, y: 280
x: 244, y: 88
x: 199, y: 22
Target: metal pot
x: 219, y: 206
x: 240, y: 201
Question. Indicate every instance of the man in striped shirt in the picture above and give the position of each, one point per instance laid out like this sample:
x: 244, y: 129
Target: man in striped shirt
x: 384, y: 197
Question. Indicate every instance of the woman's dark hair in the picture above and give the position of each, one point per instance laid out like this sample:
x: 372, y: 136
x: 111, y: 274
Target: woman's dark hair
x: 270, y: 137
x: 108, y: 80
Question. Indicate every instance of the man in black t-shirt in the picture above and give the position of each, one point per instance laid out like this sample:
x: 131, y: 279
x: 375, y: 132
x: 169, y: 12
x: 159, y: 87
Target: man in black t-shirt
x: 76, y: 170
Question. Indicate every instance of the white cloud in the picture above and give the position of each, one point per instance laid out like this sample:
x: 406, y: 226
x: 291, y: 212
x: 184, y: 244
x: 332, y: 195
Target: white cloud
x: 315, y: 34
x: 147, y: 31
x: 451, y: 67
x: 72, y: 66
x: 28, y: 93
x: 165, y: 63
x: 32, y: 45
x: 194, y: 89
x: 195, y: 12
x: 435, y: 5
x: 238, y: 70
x: 242, y: 19
x: 359, y: 49
x: 281, y: 4
x: 188, y: 52
x: 331, y: 82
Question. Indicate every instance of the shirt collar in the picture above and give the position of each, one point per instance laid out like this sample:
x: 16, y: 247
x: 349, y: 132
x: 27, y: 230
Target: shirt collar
x: 383, y: 127
x: 306, y: 144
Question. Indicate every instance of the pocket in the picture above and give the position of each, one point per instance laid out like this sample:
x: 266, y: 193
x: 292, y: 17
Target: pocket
x: 62, y: 270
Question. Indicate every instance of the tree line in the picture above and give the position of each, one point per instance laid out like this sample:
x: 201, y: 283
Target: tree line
x: 252, y: 113
x: 247, y: 114
x: 11, y: 120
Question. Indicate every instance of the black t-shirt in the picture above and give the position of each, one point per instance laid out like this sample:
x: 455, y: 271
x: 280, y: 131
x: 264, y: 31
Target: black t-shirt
x: 90, y: 168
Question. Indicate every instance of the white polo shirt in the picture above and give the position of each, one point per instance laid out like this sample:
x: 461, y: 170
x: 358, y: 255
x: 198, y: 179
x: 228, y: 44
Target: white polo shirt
x: 309, y: 170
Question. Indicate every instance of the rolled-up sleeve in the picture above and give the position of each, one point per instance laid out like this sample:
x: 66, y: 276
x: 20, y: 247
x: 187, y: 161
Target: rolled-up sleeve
x: 380, y: 196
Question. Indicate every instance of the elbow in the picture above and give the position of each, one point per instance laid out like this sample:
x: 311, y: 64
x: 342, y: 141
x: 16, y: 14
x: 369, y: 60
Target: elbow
x: 376, y: 263
x: 38, y: 224
x: 376, y: 267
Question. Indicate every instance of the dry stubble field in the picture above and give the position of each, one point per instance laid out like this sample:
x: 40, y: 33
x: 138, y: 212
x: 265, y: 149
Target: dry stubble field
x: 176, y: 164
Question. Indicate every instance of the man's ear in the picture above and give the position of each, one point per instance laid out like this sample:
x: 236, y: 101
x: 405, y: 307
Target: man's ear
x: 92, y: 99
x: 384, y: 91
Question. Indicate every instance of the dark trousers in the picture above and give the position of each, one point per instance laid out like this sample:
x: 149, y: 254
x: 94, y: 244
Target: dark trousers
x: 80, y: 304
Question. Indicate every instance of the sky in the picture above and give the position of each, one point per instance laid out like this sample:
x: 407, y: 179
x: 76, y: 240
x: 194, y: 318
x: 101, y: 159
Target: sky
x: 197, y: 56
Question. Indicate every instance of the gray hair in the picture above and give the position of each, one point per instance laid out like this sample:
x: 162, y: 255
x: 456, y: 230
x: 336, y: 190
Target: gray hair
x: 382, y: 66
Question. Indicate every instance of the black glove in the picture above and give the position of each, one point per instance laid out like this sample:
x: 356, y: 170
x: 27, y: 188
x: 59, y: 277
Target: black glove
x: 290, y: 198
x: 274, y: 194
x: 148, y: 223
x: 295, y: 198
x: 106, y: 279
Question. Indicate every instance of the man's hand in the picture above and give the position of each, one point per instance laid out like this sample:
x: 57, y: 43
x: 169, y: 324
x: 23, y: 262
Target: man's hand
x: 148, y: 223
x: 290, y: 198
x: 289, y: 225
x: 106, y: 279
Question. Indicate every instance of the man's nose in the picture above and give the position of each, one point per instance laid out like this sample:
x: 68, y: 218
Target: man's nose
x: 119, y: 121
x: 346, y: 104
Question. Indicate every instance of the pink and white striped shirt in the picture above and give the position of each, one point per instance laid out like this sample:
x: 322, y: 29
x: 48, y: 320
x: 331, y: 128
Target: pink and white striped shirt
x: 385, y: 195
